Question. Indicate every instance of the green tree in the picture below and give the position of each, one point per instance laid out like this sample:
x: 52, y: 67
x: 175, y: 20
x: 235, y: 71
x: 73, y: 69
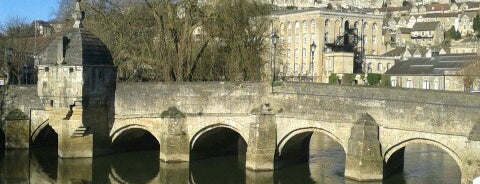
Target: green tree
x: 452, y: 34
x: 476, y: 25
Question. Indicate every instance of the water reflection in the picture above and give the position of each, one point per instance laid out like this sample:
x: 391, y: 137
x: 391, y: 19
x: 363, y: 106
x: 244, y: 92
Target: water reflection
x: 423, y: 164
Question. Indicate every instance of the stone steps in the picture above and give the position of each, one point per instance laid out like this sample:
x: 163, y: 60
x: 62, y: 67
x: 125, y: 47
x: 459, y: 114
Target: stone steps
x: 80, y: 132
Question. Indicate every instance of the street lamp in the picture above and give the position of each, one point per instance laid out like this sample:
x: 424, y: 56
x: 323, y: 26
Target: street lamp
x: 274, y: 43
x: 312, y: 50
x: 8, y: 55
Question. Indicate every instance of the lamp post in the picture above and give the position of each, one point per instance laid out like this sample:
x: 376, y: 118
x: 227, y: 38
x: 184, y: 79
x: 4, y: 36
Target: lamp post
x: 312, y: 50
x: 8, y: 55
x: 274, y: 43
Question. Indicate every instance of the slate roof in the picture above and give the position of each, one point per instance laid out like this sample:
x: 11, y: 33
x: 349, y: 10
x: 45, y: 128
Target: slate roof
x: 395, y: 52
x: 81, y: 48
x: 435, y: 15
x: 425, y: 26
x: 437, y: 7
x: 431, y: 66
x: 404, y: 30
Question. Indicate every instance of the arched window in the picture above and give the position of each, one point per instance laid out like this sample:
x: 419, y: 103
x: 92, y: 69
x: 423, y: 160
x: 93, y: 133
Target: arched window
x: 374, y: 27
x: 289, y: 25
x: 327, y: 23
x: 297, y: 25
x: 369, y: 68
x: 365, y: 26
x: 304, y: 25
x: 380, y: 67
x: 312, y: 26
x: 282, y: 27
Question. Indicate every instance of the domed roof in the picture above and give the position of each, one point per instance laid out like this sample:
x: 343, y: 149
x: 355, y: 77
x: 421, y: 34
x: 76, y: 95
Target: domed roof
x: 77, y: 47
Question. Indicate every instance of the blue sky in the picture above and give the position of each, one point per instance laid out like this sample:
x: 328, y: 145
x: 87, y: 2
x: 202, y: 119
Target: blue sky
x: 28, y: 9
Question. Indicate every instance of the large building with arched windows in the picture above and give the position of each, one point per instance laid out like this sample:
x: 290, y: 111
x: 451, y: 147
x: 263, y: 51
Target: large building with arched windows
x: 341, y: 39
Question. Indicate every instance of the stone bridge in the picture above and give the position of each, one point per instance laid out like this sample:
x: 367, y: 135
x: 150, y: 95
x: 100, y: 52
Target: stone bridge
x: 373, y: 125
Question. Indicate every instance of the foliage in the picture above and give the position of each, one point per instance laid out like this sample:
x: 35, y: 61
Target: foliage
x: 18, y: 35
x: 330, y: 6
x: 277, y: 83
x: 476, y: 25
x: 385, y: 80
x: 348, y: 78
x: 182, y: 41
x: 373, y: 78
x: 333, y: 78
x: 452, y: 34
x: 406, y: 4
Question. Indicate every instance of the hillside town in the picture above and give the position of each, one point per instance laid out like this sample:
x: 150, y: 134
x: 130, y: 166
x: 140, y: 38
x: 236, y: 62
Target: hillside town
x: 409, y: 44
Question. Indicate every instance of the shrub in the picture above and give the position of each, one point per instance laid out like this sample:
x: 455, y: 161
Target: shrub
x: 348, y: 79
x: 373, y: 78
x: 333, y: 79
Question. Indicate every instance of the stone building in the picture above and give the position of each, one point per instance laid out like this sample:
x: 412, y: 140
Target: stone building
x: 440, y: 72
x: 331, y: 32
x: 463, y: 46
x: 427, y: 33
x: 76, y: 83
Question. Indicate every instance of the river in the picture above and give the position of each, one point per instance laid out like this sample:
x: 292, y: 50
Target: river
x: 423, y: 164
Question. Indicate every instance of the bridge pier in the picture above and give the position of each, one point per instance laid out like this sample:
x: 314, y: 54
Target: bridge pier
x: 174, y: 143
x: 364, y: 160
x: 471, y: 164
x: 262, y: 140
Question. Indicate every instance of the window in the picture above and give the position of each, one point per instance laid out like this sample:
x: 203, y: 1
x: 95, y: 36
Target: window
x: 409, y: 83
x: 296, y: 53
x: 426, y: 84
x: 312, y: 38
x: 304, y: 67
x: 289, y: 25
x: 287, y: 68
x: 282, y: 27
x: 327, y: 23
x: 369, y: 68
x: 380, y: 67
x: 325, y: 37
x: 295, y: 67
x: 374, y: 39
x: 304, y: 53
x: 374, y: 27
x: 297, y: 26
x: 436, y: 85
x: 312, y: 26
x: 305, y: 38
x: 393, y: 82
x: 304, y: 25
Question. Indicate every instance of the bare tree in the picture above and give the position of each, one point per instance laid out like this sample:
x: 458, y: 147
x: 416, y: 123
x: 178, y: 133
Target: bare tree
x: 156, y: 40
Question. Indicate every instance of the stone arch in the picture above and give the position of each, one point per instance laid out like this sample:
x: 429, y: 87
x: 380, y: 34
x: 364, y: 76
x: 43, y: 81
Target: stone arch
x: 36, y: 131
x: 44, y: 134
x: 199, y: 133
x: 295, y: 132
x: 391, y: 150
x: 114, y: 135
x: 217, y: 140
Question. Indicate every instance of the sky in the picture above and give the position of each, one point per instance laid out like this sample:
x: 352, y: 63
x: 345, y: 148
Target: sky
x: 28, y: 9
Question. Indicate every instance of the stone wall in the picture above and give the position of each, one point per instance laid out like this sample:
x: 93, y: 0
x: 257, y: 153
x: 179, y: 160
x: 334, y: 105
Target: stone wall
x: 452, y: 113
x: 151, y: 99
x: 23, y: 97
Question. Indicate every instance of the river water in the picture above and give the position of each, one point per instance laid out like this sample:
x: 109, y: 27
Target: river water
x: 423, y: 164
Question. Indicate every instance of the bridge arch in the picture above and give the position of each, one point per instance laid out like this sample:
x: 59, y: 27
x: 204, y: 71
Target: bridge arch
x: 390, y: 151
x: 223, y: 134
x: 130, y: 134
x: 397, y: 150
x: 291, y: 134
x: 36, y: 131
x: 114, y: 135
